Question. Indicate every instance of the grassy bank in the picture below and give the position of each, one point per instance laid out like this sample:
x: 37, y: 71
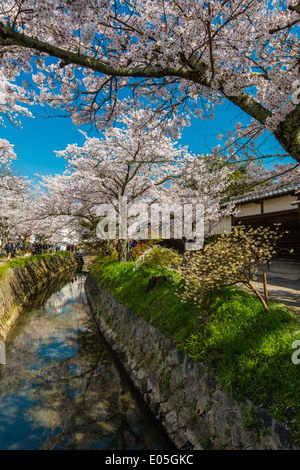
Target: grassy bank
x: 16, y: 262
x: 250, y: 350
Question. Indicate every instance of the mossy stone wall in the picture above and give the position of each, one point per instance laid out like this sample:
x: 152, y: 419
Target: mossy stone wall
x: 21, y: 283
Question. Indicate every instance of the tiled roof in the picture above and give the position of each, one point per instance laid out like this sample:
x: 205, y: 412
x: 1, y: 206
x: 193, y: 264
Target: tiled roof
x: 263, y: 194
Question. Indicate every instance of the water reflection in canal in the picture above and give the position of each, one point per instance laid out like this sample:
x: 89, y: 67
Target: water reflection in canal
x: 61, y: 388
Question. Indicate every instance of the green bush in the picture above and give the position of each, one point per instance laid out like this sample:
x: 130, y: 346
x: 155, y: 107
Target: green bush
x: 231, y: 259
x: 158, y: 257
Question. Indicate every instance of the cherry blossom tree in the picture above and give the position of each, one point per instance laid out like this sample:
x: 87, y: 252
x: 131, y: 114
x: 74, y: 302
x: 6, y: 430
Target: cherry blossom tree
x: 11, y: 95
x: 17, y: 207
x: 15, y: 195
x: 63, y: 203
x: 8, y: 179
x: 183, y: 56
x: 137, y: 161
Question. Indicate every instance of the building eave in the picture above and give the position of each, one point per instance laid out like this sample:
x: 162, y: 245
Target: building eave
x: 283, y: 191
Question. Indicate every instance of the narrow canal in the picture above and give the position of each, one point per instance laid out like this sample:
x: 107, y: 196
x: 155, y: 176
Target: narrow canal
x: 62, y: 388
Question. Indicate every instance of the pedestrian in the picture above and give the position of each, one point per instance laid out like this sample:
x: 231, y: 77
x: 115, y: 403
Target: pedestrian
x: 18, y: 250
x: 133, y: 243
x: 9, y: 249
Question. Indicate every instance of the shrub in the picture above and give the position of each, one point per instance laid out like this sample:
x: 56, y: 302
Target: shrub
x: 232, y: 259
x: 141, y: 247
x: 158, y: 257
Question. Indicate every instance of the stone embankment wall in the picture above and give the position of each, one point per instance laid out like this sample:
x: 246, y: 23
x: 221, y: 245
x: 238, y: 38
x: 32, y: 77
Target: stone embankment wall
x: 21, y: 284
x: 187, y: 398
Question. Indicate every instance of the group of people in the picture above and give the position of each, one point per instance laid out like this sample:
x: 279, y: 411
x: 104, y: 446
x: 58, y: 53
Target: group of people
x: 12, y: 249
x: 36, y: 248
x: 130, y: 245
x: 72, y: 248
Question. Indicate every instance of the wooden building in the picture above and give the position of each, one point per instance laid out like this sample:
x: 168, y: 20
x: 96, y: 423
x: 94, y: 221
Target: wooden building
x: 264, y: 208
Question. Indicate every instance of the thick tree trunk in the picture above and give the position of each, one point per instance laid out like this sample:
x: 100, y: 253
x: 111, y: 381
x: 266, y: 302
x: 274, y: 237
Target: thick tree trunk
x: 122, y: 250
x: 4, y: 241
x: 109, y: 247
x: 288, y: 134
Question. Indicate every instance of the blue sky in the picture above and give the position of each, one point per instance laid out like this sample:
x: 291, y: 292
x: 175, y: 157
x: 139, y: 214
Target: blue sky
x: 36, y: 142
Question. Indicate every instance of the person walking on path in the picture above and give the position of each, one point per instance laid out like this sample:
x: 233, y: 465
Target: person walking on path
x: 9, y: 249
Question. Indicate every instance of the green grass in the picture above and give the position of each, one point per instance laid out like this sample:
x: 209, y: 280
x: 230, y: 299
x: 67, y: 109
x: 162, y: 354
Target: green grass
x: 16, y: 262
x: 249, y: 349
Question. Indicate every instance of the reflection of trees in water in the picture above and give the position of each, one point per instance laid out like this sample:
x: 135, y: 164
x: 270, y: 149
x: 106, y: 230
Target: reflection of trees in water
x: 37, y: 299
x: 83, y: 403
x: 76, y: 392
x: 58, y: 285
x: 31, y: 329
x: 72, y: 292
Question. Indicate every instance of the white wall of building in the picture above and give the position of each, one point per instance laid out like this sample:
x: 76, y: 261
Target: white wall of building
x: 224, y: 226
x: 282, y: 203
x: 250, y: 208
x: 275, y: 204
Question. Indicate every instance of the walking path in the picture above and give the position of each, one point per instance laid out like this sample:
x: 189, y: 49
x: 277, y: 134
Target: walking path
x: 283, y: 288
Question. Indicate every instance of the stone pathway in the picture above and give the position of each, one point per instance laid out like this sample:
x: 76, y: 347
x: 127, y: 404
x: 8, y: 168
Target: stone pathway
x: 285, y: 289
x: 88, y: 259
